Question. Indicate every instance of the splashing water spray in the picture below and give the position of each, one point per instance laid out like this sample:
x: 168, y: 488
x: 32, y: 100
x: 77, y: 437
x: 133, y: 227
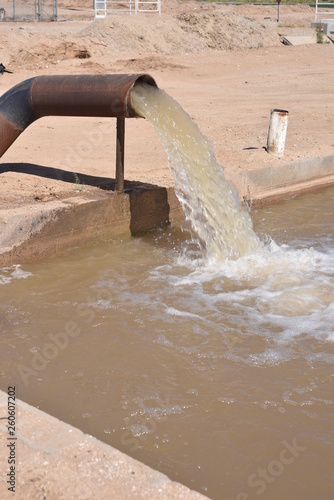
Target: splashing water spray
x: 210, y: 203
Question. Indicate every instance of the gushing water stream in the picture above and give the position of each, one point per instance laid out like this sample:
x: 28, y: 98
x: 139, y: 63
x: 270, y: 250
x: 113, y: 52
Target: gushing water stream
x: 209, y: 202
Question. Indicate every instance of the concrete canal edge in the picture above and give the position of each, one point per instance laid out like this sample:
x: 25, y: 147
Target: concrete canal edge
x: 32, y: 232
x: 281, y: 180
x: 35, y: 231
x: 54, y: 460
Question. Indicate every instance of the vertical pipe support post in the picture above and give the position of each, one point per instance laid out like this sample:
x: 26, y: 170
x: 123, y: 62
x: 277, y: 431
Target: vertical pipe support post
x: 278, y: 2
x: 120, y: 136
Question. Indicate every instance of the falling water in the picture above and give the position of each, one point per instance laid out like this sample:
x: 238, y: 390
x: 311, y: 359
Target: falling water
x: 208, y: 200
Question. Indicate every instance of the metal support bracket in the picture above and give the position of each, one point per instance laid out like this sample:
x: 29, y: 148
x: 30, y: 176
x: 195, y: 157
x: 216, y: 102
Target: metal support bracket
x: 120, y: 136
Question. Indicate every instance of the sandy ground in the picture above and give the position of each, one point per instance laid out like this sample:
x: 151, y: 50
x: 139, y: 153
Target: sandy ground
x: 226, y: 65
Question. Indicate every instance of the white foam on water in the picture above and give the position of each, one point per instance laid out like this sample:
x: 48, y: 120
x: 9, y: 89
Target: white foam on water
x: 282, y: 296
x: 8, y: 274
x: 175, y: 312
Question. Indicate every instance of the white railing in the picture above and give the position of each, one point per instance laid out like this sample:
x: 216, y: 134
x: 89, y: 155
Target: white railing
x: 112, y: 6
x: 100, y: 7
x: 148, y: 6
x: 322, y: 14
x: 104, y: 7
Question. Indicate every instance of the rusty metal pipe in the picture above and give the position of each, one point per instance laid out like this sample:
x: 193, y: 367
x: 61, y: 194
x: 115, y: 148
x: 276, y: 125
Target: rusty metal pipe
x: 65, y: 95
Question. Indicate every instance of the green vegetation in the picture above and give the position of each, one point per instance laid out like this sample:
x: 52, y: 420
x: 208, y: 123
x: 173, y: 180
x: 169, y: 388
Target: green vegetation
x: 79, y: 185
x: 320, y: 33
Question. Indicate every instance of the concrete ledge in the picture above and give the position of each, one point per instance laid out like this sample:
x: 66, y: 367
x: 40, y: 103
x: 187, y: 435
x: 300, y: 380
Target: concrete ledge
x: 56, y: 461
x: 327, y: 25
x: 32, y: 232
x: 280, y: 180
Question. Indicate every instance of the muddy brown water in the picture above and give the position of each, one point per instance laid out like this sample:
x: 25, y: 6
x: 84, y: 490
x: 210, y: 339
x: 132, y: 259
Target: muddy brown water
x: 219, y: 375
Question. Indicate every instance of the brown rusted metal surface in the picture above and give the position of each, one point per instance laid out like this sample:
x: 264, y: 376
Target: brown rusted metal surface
x: 120, y: 146
x: 65, y: 95
x: 84, y: 95
x: 8, y: 134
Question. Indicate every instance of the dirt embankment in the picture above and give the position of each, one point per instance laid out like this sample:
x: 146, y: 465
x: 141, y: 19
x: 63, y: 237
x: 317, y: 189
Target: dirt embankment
x: 184, y: 28
x: 195, y: 29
